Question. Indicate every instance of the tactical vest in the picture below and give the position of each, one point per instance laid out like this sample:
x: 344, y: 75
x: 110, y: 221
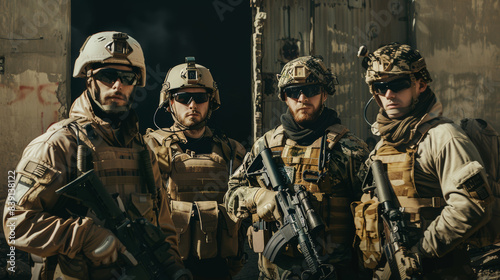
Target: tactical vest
x: 196, y: 184
x: 302, y: 164
x: 400, y: 164
x: 194, y: 177
x: 419, y: 211
x: 119, y: 169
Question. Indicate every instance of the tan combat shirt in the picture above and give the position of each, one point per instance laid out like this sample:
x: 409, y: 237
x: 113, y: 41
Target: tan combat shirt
x: 40, y: 231
x: 445, y: 159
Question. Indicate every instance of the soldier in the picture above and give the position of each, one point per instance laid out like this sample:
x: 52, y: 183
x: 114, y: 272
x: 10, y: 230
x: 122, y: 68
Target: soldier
x: 196, y: 162
x: 434, y: 168
x: 64, y: 239
x: 308, y: 132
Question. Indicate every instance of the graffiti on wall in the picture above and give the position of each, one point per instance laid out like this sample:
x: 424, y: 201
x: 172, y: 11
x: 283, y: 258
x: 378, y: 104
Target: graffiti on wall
x: 40, y: 99
x: 46, y: 93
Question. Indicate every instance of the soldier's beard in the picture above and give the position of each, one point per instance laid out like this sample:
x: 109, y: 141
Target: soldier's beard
x: 305, y: 118
x: 190, y: 121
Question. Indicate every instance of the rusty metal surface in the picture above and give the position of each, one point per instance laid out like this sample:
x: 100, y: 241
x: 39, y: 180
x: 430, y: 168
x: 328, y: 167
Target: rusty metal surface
x: 460, y: 42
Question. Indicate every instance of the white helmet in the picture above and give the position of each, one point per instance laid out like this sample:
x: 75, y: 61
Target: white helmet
x: 110, y: 47
x: 188, y: 75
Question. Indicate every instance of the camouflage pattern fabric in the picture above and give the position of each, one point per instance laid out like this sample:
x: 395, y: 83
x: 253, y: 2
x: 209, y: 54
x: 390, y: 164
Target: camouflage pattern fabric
x: 345, y: 171
x: 306, y: 70
x: 395, y: 59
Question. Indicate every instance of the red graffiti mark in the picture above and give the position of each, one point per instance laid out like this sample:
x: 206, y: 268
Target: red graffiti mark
x: 46, y: 93
x: 22, y: 92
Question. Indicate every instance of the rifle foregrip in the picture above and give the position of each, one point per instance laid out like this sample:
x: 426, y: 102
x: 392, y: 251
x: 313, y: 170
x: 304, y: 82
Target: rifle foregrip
x: 306, y: 251
x: 408, y: 265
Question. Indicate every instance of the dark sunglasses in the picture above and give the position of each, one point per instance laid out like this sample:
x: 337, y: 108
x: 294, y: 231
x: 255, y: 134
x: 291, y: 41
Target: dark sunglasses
x: 188, y: 97
x: 110, y: 75
x: 381, y: 88
x: 308, y: 90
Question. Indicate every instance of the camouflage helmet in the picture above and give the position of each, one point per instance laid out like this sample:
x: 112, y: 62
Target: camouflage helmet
x: 110, y: 47
x: 306, y: 70
x: 393, y: 60
x: 189, y: 75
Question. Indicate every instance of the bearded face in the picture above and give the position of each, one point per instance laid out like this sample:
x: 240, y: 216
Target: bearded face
x: 305, y: 103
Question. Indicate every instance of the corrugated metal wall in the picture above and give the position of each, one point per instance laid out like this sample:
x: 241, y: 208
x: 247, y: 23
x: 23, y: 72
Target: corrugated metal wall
x: 34, y: 85
x: 334, y: 30
x: 458, y: 38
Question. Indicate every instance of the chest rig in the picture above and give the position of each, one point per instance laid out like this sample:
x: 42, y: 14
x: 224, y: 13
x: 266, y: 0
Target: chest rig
x: 190, y: 176
x: 400, y: 165
x: 196, y: 184
x: 121, y: 170
x: 311, y: 167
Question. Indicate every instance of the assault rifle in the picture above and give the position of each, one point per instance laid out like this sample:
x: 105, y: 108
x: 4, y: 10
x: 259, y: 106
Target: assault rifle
x: 300, y: 222
x: 403, y: 264
x: 146, y: 256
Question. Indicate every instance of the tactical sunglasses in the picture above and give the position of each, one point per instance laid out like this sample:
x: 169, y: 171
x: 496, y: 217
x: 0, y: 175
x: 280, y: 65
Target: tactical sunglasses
x: 381, y: 88
x: 110, y: 75
x: 188, y: 97
x: 308, y: 90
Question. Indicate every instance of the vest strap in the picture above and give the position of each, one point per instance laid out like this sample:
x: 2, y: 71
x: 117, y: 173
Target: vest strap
x: 412, y: 204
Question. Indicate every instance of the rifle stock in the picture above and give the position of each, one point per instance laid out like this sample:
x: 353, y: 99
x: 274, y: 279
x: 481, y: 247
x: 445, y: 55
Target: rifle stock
x: 146, y: 255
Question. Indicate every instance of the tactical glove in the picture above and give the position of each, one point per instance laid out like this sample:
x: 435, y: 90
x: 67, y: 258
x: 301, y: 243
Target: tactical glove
x: 101, y: 246
x: 266, y: 206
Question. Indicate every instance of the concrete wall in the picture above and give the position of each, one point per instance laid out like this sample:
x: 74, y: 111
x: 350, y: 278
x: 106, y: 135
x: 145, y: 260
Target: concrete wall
x: 34, y: 88
x: 334, y: 29
x: 461, y: 44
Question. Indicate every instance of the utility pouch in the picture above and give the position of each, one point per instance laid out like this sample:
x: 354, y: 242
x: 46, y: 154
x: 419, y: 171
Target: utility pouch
x: 258, y: 235
x: 229, y: 234
x: 366, y: 222
x: 142, y: 204
x: 181, y: 216
x: 205, y: 229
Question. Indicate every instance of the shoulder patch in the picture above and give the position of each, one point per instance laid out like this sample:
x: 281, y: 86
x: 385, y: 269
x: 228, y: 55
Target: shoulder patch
x: 35, y: 169
x: 470, y: 178
x: 24, y: 184
x: 476, y: 187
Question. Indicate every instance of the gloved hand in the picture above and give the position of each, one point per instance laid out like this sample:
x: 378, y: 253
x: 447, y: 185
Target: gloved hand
x: 101, y: 246
x: 265, y: 203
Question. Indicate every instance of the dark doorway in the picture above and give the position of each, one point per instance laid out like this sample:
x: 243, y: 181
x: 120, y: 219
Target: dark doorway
x: 217, y: 33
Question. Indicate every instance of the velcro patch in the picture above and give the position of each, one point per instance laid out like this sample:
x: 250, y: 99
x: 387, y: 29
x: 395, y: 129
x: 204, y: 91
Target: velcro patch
x: 476, y: 187
x: 26, y: 181
x: 23, y: 185
x: 35, y: 169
